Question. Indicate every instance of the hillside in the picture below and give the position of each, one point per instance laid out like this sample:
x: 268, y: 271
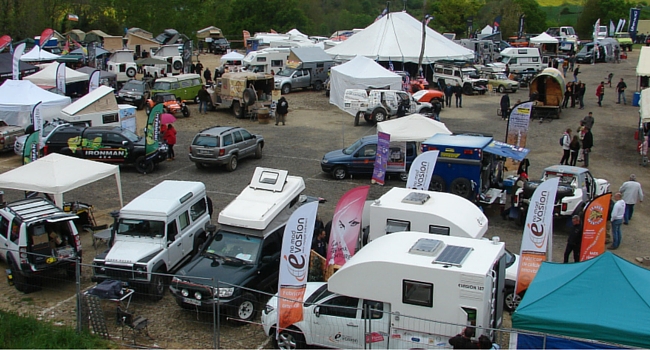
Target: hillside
x: 557, y: 3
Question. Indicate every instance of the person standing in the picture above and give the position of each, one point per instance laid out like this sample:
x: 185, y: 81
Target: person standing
x: 283, y: 109
x: 565, y: 66
x: 581, y: 94
x: 507, y: 71
x: 320, y: 245
x: 170, y: 138
x: 437, y: 108
x: 620, y: 89
x: 199, y: 67
x: 204, y: 98
x: 464, y: 339
x: 587, y: 144
x: 574, y: 241
x: 458, y: 92
x: 574, y: 148
x: 600, y: 93
x: 575, y: 73
x: 567, y: 94
x: 207, y: 75
x: 505, y: 106
x: 566, y: 142
x: 572, y: 62
x: 632, y: 193
x: 588, y: 121
x: 449, y: 91
x: 200, y: 46
x: 617, y: 55
x: 618, y: 212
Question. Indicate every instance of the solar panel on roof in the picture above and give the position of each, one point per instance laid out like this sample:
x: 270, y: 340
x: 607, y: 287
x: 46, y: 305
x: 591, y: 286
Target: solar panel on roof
x: 453, y: 255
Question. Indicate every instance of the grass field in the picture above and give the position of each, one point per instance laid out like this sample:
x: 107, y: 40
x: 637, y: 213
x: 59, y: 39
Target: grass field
x: 564, y: 14
x: 557, y: 3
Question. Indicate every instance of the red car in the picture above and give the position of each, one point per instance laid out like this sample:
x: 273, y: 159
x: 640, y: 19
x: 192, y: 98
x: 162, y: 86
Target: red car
x: 429, y: 96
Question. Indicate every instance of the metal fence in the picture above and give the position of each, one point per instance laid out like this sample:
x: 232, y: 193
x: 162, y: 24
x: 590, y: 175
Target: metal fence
x: 138, y: 319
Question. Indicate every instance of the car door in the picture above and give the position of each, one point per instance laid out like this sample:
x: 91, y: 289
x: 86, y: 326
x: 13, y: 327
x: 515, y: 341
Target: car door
x: 363, y: 160
x: 590, y: 184
x: 5, y: 241
x: 337, y: 323
x: 240, y: 145
x: 377, y: 317
x: 118, y: 148
x: 174, y: 242
x: 92, y: 146
x: 249, y: 142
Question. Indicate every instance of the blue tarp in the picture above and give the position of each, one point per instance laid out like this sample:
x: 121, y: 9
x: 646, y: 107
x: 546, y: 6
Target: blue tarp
x: 506, y: 150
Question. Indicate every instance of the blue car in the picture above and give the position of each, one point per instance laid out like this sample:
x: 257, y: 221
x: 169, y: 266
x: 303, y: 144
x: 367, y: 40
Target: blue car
x: 359, y: 159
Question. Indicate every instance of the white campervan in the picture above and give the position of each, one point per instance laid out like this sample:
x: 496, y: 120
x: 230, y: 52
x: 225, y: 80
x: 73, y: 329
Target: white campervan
x: 121, y: 63
x: 520, y: 59
x: 418, y: 291
x: 97, y: 108
x: 265, y: 60
x: 172, y: 56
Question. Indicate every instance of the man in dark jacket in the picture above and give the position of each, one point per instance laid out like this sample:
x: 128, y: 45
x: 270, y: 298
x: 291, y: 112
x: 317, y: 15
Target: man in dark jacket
x: 464, y: 339
x: 282, y: 110
x: 204, y: 98
x: 458, y: 92
x: 449, y: 91
x: 437, y: 108
x: 587, y: 144
x: 207, y: 75
x: 574, y: 241
x: 505, y: 106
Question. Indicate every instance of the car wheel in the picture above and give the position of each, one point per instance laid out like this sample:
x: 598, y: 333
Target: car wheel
x: 511, y: 300
x: 258, y: 151
x: 237, y: 110
x: 130, y: 72
x: 366, y: 118
x: 22, y: 283
x: 437, y: 184
x: 186, y: 112
x: 461, y: 187
x: 379, y: 115
x: 339, y: 173
x: 290, y: 339
x: 232, y: 163
x: 247, y: 309
x: 157, y: 287
x: 468, y: 90
x: 501, y: 89
x: 356, y: 118
x: 318, y: 86
x: 286, y: 89
x: 143, y: 166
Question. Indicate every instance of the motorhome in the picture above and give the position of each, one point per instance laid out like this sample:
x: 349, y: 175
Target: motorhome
x: 522, y: 59
x: 308, y: 67
x: 418, y: 291
x: 99, y: 108
x: 267, y: 60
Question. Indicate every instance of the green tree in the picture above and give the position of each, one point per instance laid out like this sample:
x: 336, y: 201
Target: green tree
x: 603, y: 9
x: 451, y: 16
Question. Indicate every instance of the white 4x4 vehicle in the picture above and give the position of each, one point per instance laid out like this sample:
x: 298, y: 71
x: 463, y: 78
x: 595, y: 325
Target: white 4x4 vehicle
x: 154, y: 234
x: 174, y: 60
x: 379, y: 105
x: 121, y: 63
x: 461, y: 73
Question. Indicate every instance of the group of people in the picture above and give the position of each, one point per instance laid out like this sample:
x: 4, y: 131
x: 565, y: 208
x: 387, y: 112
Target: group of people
x: 576, y: 148
x: 574, y: 92
x: 456, y: 91
x: 464, y: 340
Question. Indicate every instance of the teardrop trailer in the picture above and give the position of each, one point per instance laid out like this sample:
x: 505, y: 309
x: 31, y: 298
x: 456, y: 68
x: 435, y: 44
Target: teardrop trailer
x: 547, y: 91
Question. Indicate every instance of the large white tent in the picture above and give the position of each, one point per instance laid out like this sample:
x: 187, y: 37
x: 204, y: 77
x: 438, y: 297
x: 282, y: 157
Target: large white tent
x: 38, y: 55
x: 52, y: 174
x: 413, y: 127
x: 47, y: 75
x: 643, y: 65
x: 398, y: 37
x: 543, y: 39
x: 360, y: 73
x: 18, y: 98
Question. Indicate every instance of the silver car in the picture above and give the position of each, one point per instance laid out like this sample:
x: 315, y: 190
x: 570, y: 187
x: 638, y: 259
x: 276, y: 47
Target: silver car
x: 224, y: 145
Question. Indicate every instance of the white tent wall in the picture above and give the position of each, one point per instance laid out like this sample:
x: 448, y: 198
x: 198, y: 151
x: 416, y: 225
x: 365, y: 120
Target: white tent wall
x: 360, y: 73
x: 38, y: 55
x: 18, y: 98
x: 47, y: 75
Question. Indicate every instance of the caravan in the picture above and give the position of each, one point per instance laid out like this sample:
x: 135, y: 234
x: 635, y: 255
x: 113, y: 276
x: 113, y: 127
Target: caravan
x: 100, y: 108
x: 267, y: 60
x: 522, y: 59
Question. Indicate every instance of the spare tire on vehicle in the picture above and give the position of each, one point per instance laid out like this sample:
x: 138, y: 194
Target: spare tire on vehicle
x: 249, y: 97
x: 178, y: 65
x: 530, y: 187
x: 562, y: 190
x: 130, y: 72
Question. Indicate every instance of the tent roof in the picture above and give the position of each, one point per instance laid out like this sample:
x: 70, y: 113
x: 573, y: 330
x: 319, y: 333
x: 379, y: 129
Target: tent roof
x: 643, y: 66
x: 47, y: 76
x: 398, y: 37
x: 605, y: 299
x: 102, y: 73
x: 25, y: 93
x: 413, y: 127
x: 311, y: 54
x: 36, y: 54
x: 487, y: 29
x: 296, y: 32
x: 363, y: 67
x: 6, y: 66
x: 232, y: 55
x: 208, y: 32
x: 543, y: 39
x: 98, y: 33
x: 87, y: 99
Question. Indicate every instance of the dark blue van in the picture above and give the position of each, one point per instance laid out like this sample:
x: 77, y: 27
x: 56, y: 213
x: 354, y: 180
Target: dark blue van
x: 359, y: 159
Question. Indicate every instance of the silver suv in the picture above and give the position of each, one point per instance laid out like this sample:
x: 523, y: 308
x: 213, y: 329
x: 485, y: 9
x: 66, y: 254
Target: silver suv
x: 461, y: 73
x: 224, y: 145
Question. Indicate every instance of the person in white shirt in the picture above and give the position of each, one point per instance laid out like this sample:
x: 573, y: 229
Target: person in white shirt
x: 618, y: 212
x: 632, y: 193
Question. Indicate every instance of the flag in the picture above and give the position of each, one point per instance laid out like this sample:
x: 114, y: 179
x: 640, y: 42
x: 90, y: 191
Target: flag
x: 428, y: 19
x: 612, y: 29
x: 273, y: 31
x: 497, y: 23
x: 422, y: 170
x: 470, y: 24
x: 596, y: 27
x: 46, y: 35
x: 382, y: 14
x: 522, y: 20
x: 60, y: 77
x: 537, y: 232
x: 152, y: 131
x: 620, y: 25
x: 346, y: 225
x: 5, y: 41
x: 294, y: 264
x: 93, y: 82
x: 73, y: 18
x: 381, y: 158
x: 187, y: 56
x: 634, y: 22
x: 594, y: 227
x: 16, y: 62
x: 30, y: 148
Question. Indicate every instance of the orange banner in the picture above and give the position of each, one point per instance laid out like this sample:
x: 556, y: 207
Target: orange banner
x: 290, y: 305
x: 594, y: 227
x: 528, y: 267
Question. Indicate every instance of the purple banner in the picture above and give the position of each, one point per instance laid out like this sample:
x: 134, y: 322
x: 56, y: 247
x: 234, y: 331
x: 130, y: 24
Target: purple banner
x: 381, y: 158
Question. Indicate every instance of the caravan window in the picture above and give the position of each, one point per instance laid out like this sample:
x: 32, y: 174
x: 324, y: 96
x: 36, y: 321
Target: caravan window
x: 277, y: 63
x: 397, y: 226
x: 417, y: 293
x: 261, y: 59
x: 110, y: 118
x: 439, y: 230
x: 341, y: 306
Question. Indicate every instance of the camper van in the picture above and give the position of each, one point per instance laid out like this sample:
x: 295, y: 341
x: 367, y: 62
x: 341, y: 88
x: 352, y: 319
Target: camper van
x: 121, y: 63
x: 418, y: 291
x: 265, y: 60
x: 520, y: 59
x: 97, y: 108
x: 174, y: 60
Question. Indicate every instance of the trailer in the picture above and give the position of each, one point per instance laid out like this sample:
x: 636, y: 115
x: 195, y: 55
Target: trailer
x: 547, y: 91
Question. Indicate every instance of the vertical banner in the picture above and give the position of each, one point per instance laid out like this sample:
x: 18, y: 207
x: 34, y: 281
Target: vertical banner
x: 497, y: 24
x: 612, y: 29
x: 247, y: 35
x: 422, y: 170
x: 294, y: 264
x: 538, y: 229
x: 594, y: 227
x: 30, y: 148
x: 470, y: 25
x: 93, y: 82
x: 187, y: 56
x: 381, y: 158
x: 5, y: 41
x: 522, y: 21
x: 346, y: 225
x: 517, y: 129
x: 634, y: 22
x: 152, y: 130
x: 18, y: 51
x: 60, y: 77
x: 37, y: 120
x: 596, y: 28
x: 92, y: 55
x: 46, y: 35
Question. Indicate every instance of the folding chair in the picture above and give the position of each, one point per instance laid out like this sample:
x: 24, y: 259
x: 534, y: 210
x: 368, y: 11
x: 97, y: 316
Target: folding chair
x: 137, y: 324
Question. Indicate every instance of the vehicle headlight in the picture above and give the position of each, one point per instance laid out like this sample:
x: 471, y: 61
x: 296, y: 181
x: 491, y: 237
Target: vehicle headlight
x: 224, y: 292
x: 198, y: 296
x: 185, y: 292
x: 324, y: 161
x: 140, y: 271
x: 268, y: 309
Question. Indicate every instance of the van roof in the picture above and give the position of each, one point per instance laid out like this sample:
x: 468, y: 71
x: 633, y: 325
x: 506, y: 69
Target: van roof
x: 178, y: 77
x: 466, y: 141
x: 163, y: 199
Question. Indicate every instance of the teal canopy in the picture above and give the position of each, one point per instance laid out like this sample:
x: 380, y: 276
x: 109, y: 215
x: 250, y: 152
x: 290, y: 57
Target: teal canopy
x: 605, y: 299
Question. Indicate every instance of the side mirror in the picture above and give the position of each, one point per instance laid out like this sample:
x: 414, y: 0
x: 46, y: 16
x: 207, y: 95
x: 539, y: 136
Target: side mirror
x: 317, y: 311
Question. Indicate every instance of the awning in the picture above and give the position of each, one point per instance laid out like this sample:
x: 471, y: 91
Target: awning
x: 506, y: 150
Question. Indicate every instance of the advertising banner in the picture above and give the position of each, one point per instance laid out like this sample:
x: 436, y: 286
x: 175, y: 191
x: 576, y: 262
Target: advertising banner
x: 30, y: 148
x: 152, y: 130
x: 187, y: 56
x: 60, y: 77
x: 634, y: 22
x: 5, y: 41
x: 422, y: 170
x: 93, y: 82
x: 92, y: 55
x: 15, y: 69
x: 46, y: 35
x: 346, y: 225
x: 594, y: 227
x: 522, y: 21
x: 381, y: 158
x: 537, y: 232
x: 517, y: 129
x: 396, y: 158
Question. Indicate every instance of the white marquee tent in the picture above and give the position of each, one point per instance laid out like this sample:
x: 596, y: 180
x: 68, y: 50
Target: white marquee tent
x: 398, y: 37
x: 18, y: 98
x: 38, y: 55
x: 51, y: 174
x: 543, y: 39
x: 233, y: 56
x: 413, y: 127
x: 47, y: 75
x: 360, y: 73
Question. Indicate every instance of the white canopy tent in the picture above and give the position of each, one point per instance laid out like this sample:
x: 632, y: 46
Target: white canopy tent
x: 53, y: 174
x: 296, y: 32
x: 232, y: 56
x: 47, y: 75
x: 18, y: 98
x: 360, y: 73
x: 643, y: 66
x: 398, y: 37
x: 645, y: 106
x: 413, y: 127
x: 543, y: 39
x: 38, y: 55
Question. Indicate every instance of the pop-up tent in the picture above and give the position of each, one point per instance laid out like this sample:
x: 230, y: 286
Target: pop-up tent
x: 604, y: 299
x: 55, y: 174
x: 38, y: 55
x: 397, y: 37
x: 360, y: 73
x: 6, y: 67
x: 543, y: 39
x: 413, y: 127
x: 18, y: 98
x: 47, y: 76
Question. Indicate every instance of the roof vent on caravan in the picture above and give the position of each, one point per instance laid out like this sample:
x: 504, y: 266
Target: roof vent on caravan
x: 453, y: 255
x: 269, y: 179
x: 426, y: 246
x: 416, y: 198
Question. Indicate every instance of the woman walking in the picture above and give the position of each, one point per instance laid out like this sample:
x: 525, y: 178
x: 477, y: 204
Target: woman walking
x: 170, y: 138
x: 574, y: 147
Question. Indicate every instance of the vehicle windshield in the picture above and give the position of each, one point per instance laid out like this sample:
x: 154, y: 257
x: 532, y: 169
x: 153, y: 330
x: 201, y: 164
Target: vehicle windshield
x: 47, y: 129
x: 167, y: 98
x: 500, y: 76
x: 285, y: 72
x: 505, y: 59
x: 622, y: 35
x: 318, y: 295
x: 130, y: 135
x: 162, y: 85
x: 586, y: 49
x: 564, y: 178
x: 570, y: 31
x: 133, y: 87
x: 141, y: 228
x: 352, y: 147
x: 235, y: 246
x: 510, y: 258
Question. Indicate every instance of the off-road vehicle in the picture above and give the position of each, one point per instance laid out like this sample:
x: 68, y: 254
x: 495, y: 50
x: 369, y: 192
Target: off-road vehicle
x: 459, y: 72
x: 224, y: 145
x: 376, y: 106
x: 240, y: 90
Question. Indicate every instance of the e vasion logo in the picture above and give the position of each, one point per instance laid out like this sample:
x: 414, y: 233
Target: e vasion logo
x: 536, y: 225
x: 297, y: 257
x: 421, y: 174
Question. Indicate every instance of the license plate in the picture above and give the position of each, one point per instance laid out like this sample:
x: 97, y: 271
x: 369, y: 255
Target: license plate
x: 192, y: 301
x: 204, y: 151
x: 128, y: 99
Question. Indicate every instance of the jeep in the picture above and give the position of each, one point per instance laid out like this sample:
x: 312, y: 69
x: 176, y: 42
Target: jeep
x: 379, y: 105
x: 461, y: 73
